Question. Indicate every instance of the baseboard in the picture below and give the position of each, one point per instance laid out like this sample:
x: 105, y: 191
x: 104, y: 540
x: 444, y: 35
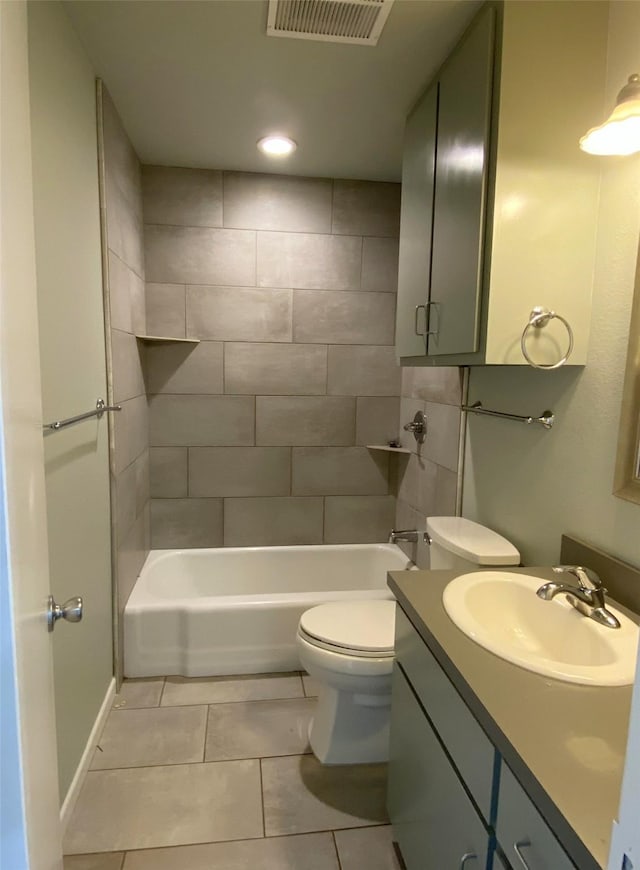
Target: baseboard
x: 81, y: 771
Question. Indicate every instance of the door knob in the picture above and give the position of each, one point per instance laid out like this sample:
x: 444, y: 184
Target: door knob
x: 71, y: 610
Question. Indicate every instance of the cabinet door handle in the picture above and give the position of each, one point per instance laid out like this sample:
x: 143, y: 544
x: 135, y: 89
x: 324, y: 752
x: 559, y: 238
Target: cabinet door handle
x: 428, y: 318
x: 468, y: 856
x: 415, y: 320
x: 522, y: 844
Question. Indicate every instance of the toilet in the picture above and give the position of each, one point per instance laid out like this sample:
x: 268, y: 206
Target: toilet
x: 348, y: 648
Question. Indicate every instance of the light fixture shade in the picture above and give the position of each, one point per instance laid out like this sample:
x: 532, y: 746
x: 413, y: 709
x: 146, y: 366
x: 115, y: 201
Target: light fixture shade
x: 620, y: 133
x: 276, y: 145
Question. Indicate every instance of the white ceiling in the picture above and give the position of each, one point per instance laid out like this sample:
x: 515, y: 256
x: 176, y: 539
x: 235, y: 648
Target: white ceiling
x: 198, y: 83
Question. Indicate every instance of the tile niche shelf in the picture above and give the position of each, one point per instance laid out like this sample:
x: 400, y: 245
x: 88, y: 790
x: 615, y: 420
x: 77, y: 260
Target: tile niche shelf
x: 167, y: 338
x: 387, y: 448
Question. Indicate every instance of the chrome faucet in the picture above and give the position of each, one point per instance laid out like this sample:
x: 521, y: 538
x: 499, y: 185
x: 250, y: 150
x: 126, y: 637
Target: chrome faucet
x: 587, y: 595
x: 412, y: 536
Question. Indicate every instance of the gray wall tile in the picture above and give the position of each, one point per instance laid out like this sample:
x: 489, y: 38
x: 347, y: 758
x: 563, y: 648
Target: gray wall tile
x: 230, y: 314
x: 377, y: 420
x: 122, y: 166
x: 277, y: 202
x: 443, y: 431
x: 311, y: 262
x: 305, y: 421
x: 184, y: 368
x: 124, y: 229
x: 363, y: 371
x: 182, y: 197
x: 132, y: 552
x: 380, y: 265
x: 166, y: 310
x: 446, y: 486
x: 128, y: 379
x: 339, y: 471
x: 199, y: 255
x: 433, y: 384
x: 272, y: 521
x: 168, y: 472
x: 186, y: 522
x: 366, y: 208
x: 409, y: 518
x: 131, y: 435
x: 343, y: 318
x: 275, y: 369
x: 194, y: 421
x: 126, y: 297
x: 358, y: 519
x: 418, y: 483
x: 239, y: 471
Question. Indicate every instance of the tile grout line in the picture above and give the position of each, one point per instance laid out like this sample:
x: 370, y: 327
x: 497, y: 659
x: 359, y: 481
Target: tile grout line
x: 264, y: 825
x: 206, y: 735
x: 335, y: 846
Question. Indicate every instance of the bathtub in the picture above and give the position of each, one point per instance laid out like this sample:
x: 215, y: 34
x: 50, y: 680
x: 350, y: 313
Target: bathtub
x: 235, y: 610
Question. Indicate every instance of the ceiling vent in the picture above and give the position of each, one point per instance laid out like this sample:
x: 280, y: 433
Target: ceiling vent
x: 359, y: 22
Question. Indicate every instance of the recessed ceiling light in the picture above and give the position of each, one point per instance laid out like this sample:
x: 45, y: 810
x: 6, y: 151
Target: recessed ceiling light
x: 277, y: 146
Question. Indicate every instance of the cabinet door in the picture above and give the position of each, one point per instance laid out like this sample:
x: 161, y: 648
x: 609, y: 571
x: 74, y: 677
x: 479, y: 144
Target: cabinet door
x: 464, y: 117
x: 434, y: 822
x: 524, y: 836
x: 416, y: 222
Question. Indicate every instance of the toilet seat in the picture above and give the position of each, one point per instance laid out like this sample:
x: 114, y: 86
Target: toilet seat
x: 363, y: 629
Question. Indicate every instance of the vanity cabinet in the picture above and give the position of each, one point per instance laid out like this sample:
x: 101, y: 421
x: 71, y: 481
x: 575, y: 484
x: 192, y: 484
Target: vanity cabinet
x: 451, y: 795
x: 434, y: 821
x: 499, y: 205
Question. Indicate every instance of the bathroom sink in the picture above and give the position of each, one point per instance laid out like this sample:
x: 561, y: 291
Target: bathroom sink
x: 500, y: 611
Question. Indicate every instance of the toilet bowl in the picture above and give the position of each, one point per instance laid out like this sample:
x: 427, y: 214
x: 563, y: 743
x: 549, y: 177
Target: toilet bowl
x: 349, y: 648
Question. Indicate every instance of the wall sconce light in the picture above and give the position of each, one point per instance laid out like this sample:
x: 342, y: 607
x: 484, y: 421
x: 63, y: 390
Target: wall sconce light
x: 620, y: 133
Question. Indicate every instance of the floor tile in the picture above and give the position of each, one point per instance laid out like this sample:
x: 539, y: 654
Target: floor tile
x: 259, y: 729
x: 218, y: 690
x: 147, y: 807
x: 367, y: 847
x: 300, y: 795
x: 154, y: 735
x: 139, y: 693
x: 304, y: 852
x: 311, y: 686
x: 105, y: 861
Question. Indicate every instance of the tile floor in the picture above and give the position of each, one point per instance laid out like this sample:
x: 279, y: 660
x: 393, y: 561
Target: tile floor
x: 216, y: 774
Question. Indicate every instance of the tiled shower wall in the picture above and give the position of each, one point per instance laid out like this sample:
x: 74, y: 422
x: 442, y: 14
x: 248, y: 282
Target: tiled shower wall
x: 124, y: 288
x: 258, y: 433
x: 426, y: 480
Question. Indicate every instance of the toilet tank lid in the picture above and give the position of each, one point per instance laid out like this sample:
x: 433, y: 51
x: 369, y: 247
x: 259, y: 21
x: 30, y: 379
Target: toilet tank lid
x: 471, y: 541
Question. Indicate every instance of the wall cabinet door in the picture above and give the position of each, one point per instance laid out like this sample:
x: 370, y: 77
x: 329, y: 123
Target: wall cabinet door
x: 434, y: 822
x: 464, y: 117
x: 416, y: 223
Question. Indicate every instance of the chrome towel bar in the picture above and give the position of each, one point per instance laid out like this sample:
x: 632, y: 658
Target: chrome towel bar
x: 546, y: 419
x: 98, y: 411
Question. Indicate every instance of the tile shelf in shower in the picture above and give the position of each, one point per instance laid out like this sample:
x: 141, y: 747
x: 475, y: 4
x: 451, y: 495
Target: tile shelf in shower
x: 387, y: 448
x: 167, y: 338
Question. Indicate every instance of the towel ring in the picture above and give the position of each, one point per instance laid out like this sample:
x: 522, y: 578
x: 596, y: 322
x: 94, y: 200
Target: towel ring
x: 538, y: 319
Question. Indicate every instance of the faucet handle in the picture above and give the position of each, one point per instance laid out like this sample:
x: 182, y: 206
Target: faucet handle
x: 586, y: 577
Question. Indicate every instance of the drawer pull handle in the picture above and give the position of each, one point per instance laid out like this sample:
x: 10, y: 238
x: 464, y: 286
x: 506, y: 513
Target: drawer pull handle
x: 415, y: 320
x: 522, y: 844
x: 468, y: 856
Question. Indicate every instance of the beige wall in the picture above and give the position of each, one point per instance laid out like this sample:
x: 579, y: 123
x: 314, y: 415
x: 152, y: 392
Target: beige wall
x: 258, y: 433
x: 125, y: 309
x: 72, y: 349
x: 534, y: 485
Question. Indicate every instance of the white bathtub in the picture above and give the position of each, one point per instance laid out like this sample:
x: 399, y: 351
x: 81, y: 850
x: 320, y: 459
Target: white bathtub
x: 236, y: 610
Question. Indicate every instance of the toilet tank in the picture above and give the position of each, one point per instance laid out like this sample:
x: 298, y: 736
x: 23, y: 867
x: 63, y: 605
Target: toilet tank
x: 460, y: 545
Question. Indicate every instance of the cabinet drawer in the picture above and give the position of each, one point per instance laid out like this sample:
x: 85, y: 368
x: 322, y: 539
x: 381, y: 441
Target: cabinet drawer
x: 468, y: 745
x: 521, y: 826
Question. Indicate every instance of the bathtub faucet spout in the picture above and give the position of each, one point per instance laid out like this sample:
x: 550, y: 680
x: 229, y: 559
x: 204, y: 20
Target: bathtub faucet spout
x: 411, y: 536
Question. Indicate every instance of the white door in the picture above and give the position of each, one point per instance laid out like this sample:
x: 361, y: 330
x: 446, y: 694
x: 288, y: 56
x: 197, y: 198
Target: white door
x: 30, y: 820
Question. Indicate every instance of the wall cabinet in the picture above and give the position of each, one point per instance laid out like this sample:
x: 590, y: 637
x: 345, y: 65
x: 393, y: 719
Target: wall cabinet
x: 451, y: 797
x: 499, y: 205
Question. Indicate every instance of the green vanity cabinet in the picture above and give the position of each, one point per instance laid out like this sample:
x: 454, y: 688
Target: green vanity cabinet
x: 499, y: 205
x: 451, y: 794
x: 434, y: 821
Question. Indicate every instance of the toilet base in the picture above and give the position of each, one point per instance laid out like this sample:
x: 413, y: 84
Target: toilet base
x: 350, y: 728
